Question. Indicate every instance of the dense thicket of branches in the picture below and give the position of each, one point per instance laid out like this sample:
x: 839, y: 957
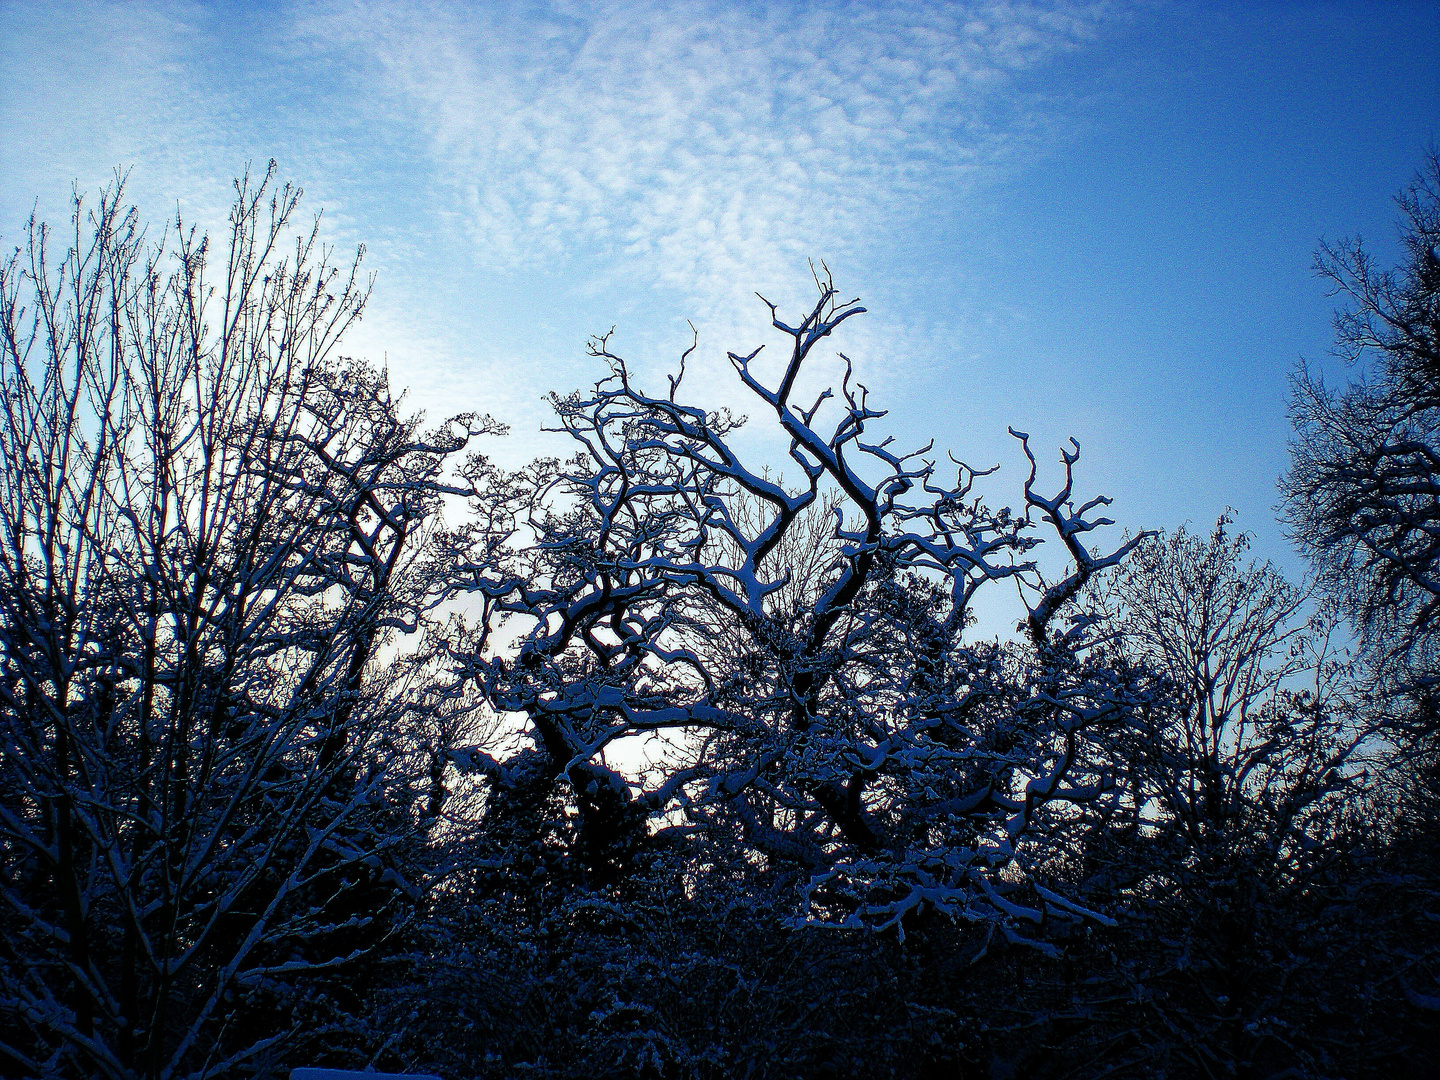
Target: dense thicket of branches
x: 649, y: 762
x: 846, y: 732
x: 208, y: 529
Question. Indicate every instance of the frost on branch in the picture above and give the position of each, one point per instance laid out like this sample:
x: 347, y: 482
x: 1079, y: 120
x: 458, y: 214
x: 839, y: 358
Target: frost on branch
x: 209, y: 525
x: 799, y: 647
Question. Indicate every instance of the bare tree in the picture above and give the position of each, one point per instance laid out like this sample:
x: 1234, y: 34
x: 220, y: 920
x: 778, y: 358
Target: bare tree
x: 1227, y: 639
x: 208, y: 527
x: 849, y: 731
x: 1362, y: 496
x: 1240, y: 785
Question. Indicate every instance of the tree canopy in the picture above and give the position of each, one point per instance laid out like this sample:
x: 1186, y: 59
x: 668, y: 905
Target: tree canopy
x: 325, y: 739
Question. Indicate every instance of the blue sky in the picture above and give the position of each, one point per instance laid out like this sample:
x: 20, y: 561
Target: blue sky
x: 1089, y: 219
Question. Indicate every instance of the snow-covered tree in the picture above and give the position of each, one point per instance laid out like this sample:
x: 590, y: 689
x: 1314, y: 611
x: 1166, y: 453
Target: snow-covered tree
x: 208, y: 529
x: 802, y: 683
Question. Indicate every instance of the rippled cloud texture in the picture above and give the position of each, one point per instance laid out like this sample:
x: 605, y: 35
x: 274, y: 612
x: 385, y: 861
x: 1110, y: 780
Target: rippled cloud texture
x: 1081, y: 218
x: 568, y: 165
x: 700, y: 146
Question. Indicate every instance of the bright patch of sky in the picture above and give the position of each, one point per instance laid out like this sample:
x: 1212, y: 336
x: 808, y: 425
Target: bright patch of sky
x: 1089, y: 219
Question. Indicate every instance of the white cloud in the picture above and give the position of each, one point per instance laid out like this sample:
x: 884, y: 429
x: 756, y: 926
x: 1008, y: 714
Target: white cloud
x: 634, y: 163
x: 705, y: 148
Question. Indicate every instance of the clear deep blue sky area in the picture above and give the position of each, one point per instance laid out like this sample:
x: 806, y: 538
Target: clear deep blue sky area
x: 1090, y: 219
